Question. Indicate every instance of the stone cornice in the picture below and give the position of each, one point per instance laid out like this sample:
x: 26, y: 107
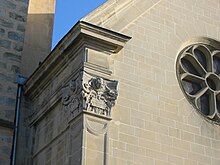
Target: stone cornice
x: 82, y: 35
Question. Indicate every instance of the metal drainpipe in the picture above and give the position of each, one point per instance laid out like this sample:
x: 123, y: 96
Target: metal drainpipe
x: 20, y: 81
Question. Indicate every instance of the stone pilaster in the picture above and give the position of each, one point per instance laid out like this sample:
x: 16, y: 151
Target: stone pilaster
x: 72, y: 95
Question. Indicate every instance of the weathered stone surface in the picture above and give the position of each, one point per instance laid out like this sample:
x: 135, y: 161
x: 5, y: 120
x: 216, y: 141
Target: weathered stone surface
x: 5, y: 138
x: 2, y: 12
x: 16, y: 36
x: 6, y: 23
x: 7, y: 101
x: 1, y: 87
x: 9, y: 114
x: 5, y: 145
x: 18, y: 47
x: 23, y: 9
x: 12, y: 56
x: 3, y: 65
x: 15, y: 69
x: 6, y: 150
x: 2, y: 32
x: 5, y: 43
x: 21, y: 28
x: 4, y: 77
x: 12, y: 90
x: 17, y: 17
x: 8, y: 4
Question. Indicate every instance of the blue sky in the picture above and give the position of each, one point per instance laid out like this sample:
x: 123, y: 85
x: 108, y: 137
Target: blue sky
x: 68, y: 12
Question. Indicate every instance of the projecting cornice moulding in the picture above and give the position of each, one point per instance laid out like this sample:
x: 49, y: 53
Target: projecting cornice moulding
x: 85, y: 50
x: 94, y: 42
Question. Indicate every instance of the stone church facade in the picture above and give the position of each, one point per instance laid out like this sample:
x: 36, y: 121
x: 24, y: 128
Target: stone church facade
x: 133, y: 83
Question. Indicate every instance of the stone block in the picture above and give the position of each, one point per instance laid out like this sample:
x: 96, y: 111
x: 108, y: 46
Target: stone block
x: 164, y: 139
x: 175, y: 160
x: 139, y: 159
x: 174, y: 151
x: 23, y: 9
x: 181, y: 144
x: 5, y: 77
x: 156, y: 154
x: 128, y: 139
x: 187, y: 136
x: 16, y: 36
x: 9, y: 114
x: 95, y: 143
x: 126, y: 129
x: 21, y: 28
x: 8, y: 4
x: 5, y: 43
x: 15, y: 69
x: 123, y: 155
x: 8, y: 101
x: 174, y: 132
x: 94, y: 157
x: 2, y: 12
x: 197, y: 148
x: 1, y: 88
x: 2, y: 32
x: 118, y: 145
x: 215, y: 144
x: 17, y: 17
x: 199, y: 158
x: 117, y: 161
x: 136, y: 149
x: 189, y: 162
x: 5, y: 150
x: 138, y: 122
x: 6, y: 23
x: 12, y: 56
x: 18, y: 47
x: 202, y: 140
x: 149, y: 144
x: 141, y: 133
x: 3, y: 65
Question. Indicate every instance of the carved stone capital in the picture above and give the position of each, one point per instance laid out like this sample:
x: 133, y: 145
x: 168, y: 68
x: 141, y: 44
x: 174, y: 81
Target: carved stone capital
x: 99, y: 95
x: 91, y: 94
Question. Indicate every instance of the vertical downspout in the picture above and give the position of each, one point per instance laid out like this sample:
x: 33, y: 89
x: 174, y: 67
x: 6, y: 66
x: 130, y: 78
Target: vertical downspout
x: 20, y: 81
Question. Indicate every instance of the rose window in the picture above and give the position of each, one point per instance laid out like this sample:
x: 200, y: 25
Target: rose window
x: 198, y: 72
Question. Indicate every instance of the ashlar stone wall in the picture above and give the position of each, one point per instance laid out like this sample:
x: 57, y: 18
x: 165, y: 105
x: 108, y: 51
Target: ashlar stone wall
x: 153, y: 123
x: 13, y: 15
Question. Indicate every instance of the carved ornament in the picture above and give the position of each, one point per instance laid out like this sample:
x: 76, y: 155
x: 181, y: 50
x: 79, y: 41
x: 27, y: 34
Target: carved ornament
x: 93, y: 95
